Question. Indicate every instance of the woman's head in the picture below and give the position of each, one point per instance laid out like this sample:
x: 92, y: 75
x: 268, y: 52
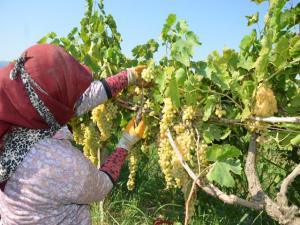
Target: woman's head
x: 61, y: 78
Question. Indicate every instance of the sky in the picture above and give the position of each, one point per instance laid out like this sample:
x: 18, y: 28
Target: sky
x: 218, y: 23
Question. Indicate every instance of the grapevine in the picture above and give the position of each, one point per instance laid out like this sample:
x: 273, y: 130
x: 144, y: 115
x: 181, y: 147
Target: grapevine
x: 194, y: 98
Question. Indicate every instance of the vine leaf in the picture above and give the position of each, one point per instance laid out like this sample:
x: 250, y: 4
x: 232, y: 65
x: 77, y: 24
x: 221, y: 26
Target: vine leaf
x: 258, y: 1
x: 222, y: 152
x: 44, y: 39
x: 183, y: 49
x: 252, y: 19
x: 219, y: 79
x: 295, y: 49
x: 248, y: 41
x: 180, y: 76
x: 168, y: 25
x: 211, y: 132
x: 190, y: 94
x: 209, y: 107
x: 281, y: 52
x: 296, y: 140
x: 173, y: 91
x: 220, y: 172
x: 223, y: 156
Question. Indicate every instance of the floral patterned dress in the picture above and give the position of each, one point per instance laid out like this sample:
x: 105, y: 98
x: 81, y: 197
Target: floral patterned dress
x: 55, y: 183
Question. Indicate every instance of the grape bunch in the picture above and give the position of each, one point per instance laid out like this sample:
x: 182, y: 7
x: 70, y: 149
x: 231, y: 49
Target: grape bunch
x: 103, y: 115
x: 265, y: 102
x: 91, y: 143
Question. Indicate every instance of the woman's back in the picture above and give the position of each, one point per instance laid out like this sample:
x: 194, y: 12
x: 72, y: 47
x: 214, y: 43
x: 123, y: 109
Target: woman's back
x: 55, y: 175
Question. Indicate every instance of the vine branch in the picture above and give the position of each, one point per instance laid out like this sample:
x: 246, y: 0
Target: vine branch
x: 276, y: 119
x: 272, y: 119
x: 284, y: 186
x: 210, y: 188
x: 187, y: 204
x: 285, y: 215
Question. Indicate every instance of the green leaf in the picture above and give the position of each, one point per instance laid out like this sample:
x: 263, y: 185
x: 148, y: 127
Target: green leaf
x: 72, y: 33
x: 281, y: 52
x: 44, y: 39
x: 245, y: 113
x: 246, y: 63
x: 182, y: 26
x: 296, y: 140
x: 226, y: 134
x: 211, y: 132
x: 246, y: 92
x: 190, y: 94
x: 221, y: 172
x: 229, y: 58
x: 161, y: 81
x: 180, y: 52
x: 88, y: 8
x: 258, y: 1
x: 88, y: 61
x: 248, y: 41
x: 145, y: 51
x: 192, y: 38
x: 181, y: 76
x: 74, y: 52
x: 171, y: 19
x: 168, y: 25
x: 158, y: 98
x: 173, y: 91
x: 222, y: 152
x: 220, y: 78
x: 65, y: 41
x: 252, y: 19
x: 209, y: 107
x: 295, y: 49
x: 110, y: 21
x: 295, y: 101
x: 55, y: 41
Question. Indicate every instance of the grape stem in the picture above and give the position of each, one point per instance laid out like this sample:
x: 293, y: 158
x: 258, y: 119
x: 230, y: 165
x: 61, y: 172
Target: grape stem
x: 126, y: 105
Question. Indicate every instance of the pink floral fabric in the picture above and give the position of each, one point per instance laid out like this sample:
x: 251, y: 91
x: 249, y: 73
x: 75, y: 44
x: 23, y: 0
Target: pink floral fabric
x: 113, y: 164
x: 53, y: 185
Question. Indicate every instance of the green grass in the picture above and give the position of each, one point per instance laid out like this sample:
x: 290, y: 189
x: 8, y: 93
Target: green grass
x: 150, y: 200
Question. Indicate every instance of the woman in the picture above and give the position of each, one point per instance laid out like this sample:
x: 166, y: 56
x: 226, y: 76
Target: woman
x: 45, y: 180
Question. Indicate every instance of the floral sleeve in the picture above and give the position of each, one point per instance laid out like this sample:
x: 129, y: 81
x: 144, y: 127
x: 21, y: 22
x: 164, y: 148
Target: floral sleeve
x: 99, y: 91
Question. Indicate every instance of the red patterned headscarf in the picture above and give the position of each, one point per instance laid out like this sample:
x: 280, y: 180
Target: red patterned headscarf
x: 62, y: 78
x: 37, y: 96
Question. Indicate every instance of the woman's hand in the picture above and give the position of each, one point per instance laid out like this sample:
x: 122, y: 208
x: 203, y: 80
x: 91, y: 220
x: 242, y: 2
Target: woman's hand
x: 135, y: 76
x: 132, y: 134
x: 138, y: 70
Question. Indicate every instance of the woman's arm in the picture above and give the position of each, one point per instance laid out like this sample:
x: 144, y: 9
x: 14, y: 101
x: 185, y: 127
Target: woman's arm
x: 100, y: 91
x: 98, y: 184
x: 114, y: 163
